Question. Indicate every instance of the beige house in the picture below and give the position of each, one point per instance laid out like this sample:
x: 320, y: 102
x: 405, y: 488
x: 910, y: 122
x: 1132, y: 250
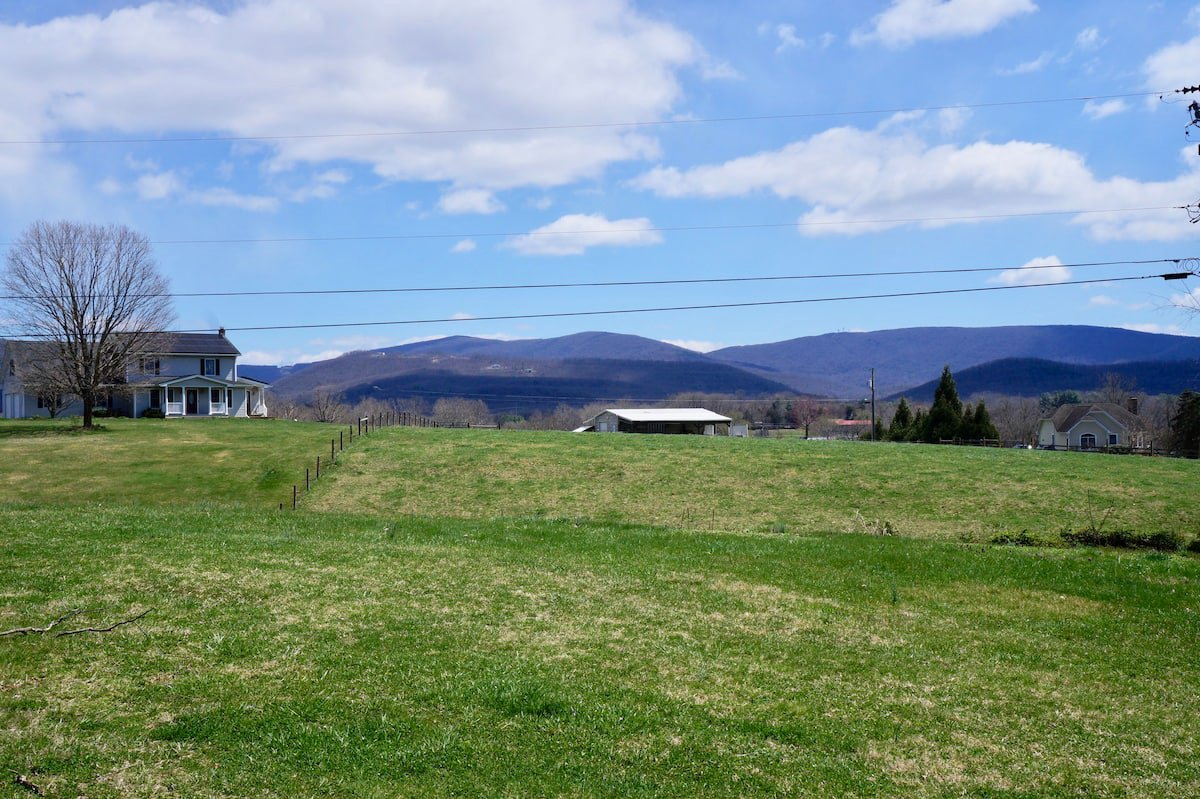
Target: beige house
x: 1091, y: 426
x: 693, y: 421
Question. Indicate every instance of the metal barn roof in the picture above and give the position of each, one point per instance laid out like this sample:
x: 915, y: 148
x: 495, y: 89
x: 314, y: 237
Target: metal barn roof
x: 668, y: 415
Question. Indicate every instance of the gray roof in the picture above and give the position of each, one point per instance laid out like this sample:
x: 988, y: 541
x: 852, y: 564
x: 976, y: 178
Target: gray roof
x: 176, y: 344
x: 1067, y: 416
x: 200, y: 344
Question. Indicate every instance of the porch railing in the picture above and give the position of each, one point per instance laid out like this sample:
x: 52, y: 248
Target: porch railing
x: 175, y: 409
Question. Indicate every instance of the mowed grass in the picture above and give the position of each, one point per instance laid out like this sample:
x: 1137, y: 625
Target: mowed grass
x: 694, y: 482
x: 301, y: 654
x: 155, y: 461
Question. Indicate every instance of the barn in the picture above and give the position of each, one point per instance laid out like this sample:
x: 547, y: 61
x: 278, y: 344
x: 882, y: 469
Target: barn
x: 676, y: 421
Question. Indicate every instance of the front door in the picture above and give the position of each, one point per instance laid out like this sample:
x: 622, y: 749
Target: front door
x: 192, y: 402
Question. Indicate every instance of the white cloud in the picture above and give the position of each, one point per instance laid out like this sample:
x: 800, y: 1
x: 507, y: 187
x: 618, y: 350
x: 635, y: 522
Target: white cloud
x: 229, y: 198
x: 1108, y: 108
x: 461, y: 316
x: 952, y: 120
x: 573, y: 234
x: 322, y: 187
x: 908, y: 21
x: 1190, y: 299
x: 827, y: 39
x: 157, y: 186
x: 278, y: 67
x: 1102, y: 300
x: 847, y: 175
x: 719, y: 70
x: 1027, y: 67
x: 1150, y: 327
x: 470, y: 201
x: 110, y: 186
x: 1089, y: 39
x: 1035, y: 272
x: 693, y: 344
x: 787, y: 38
x: 466, y: 245
x: 1172, y: 67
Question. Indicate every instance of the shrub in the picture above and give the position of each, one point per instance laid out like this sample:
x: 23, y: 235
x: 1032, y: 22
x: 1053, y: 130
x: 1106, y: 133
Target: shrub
x: 1021, y: 539
x: 1162, y: 541
x: 153, y: 413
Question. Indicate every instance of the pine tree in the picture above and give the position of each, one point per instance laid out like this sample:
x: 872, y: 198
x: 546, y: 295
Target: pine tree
x: 946, y: 415
x: 920, y: 423
x: 983, y: 423
x: 902, y: 419
x: 1185, y: 426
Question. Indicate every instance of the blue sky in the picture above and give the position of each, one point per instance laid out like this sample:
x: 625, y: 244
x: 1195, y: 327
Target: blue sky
x: 807, y: 191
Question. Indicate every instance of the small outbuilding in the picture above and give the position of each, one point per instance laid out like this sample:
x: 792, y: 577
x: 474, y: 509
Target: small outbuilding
x: 676, y: 421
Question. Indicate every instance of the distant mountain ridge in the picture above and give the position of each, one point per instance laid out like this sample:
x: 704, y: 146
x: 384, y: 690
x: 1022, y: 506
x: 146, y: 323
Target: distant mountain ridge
x: 610, y: 365
x: 838, y: 363
x: 1031, y: 377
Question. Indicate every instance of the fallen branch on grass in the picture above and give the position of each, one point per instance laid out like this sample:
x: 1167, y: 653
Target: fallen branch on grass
x: 26, y: 783
x: 71, y: 615
x: 107, y: 629
x: 39, y: 630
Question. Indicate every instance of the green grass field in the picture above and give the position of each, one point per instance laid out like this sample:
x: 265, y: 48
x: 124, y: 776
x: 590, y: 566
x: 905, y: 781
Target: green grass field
x: 421, y: 649
x: 728, y: 484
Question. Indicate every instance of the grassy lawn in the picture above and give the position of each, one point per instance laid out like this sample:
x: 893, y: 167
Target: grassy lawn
x: 379, y: 656
x: 761, y: 484
x: 155, y: 461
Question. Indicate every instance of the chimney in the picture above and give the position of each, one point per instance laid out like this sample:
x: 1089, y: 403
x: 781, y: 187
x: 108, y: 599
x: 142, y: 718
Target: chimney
x: 1131, y: 405
x: 221, y: 333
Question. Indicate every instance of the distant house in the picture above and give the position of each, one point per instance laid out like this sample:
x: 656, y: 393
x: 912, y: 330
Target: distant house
x: 196, y: 374
x: 686, y: 421
x: 1093, y: 425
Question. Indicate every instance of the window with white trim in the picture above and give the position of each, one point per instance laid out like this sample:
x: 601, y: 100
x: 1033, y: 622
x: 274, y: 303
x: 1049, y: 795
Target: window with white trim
x: 1087, y: 441
x: 209, y: 367
x: 1112, y: 439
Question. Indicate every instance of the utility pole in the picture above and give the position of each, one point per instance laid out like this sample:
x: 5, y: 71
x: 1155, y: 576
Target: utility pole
x: 872, y: 403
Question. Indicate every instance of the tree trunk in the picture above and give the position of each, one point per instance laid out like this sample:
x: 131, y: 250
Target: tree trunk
x: 88, y: 398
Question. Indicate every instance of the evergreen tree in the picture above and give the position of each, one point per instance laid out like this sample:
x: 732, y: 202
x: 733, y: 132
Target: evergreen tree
x: 945, y: 417
x: 967, y: 429
x: 1185, y: 425
x: 920, y: 423
x: 983, y: 423
x: 902, y: 419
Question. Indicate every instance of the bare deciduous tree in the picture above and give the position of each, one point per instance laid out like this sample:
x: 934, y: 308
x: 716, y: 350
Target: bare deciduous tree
x: 327, y: 406
x: 94, y: 295
x: 1016, y: 418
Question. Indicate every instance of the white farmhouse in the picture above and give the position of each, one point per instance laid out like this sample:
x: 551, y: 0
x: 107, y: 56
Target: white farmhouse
x: 195, y: 375
x: 1091, y: 426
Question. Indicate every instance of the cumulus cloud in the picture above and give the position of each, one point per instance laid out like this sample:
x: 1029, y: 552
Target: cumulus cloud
x: 1089, y: 39
x: 908, y: 21
x: 470, y: 201
x: 1028, y: 67
x: 1107, y: 108
x: 1150, y: 327
x: 157, y: 186
x: 1102, y: 300
x: 466, y: 245
x: 229, y: 198
x: 787, y: 38
x: 573, y: 234
x: 693, y: 344
x: 1173, y: 66
x: 1038, y: 271
x: 857, y: 181
x: 280, y: 67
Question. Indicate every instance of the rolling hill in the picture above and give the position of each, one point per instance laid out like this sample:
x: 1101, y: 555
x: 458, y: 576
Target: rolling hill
x: 837, y: 364
x: 540, y: 373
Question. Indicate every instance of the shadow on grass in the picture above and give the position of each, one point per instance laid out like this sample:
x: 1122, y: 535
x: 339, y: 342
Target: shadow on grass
x: 50, y: 427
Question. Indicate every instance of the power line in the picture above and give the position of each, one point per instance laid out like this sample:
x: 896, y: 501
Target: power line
x: 626, y: 283
x: 660, y: 229
x: 663, y: 309
x: 577, y: 125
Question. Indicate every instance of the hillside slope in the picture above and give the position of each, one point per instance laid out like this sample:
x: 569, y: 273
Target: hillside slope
x: 838, y: 363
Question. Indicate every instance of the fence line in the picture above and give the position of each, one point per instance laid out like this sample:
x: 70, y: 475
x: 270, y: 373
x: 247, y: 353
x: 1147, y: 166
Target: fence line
x: 363, y: 426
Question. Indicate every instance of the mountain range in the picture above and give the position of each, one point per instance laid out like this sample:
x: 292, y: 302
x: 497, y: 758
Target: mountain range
x: 583, y: 367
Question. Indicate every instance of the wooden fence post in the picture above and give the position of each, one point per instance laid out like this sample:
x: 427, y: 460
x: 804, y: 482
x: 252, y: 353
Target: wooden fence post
x: 318, y: 467
x: 341, y: 441
x: 306, y: 479
x: 332, y: 451
x: 293, y: 496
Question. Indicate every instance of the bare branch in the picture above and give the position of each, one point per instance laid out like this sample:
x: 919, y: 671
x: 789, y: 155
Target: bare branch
x: 39, y: 630
x: 26, y: 783
x: 107, y: 629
